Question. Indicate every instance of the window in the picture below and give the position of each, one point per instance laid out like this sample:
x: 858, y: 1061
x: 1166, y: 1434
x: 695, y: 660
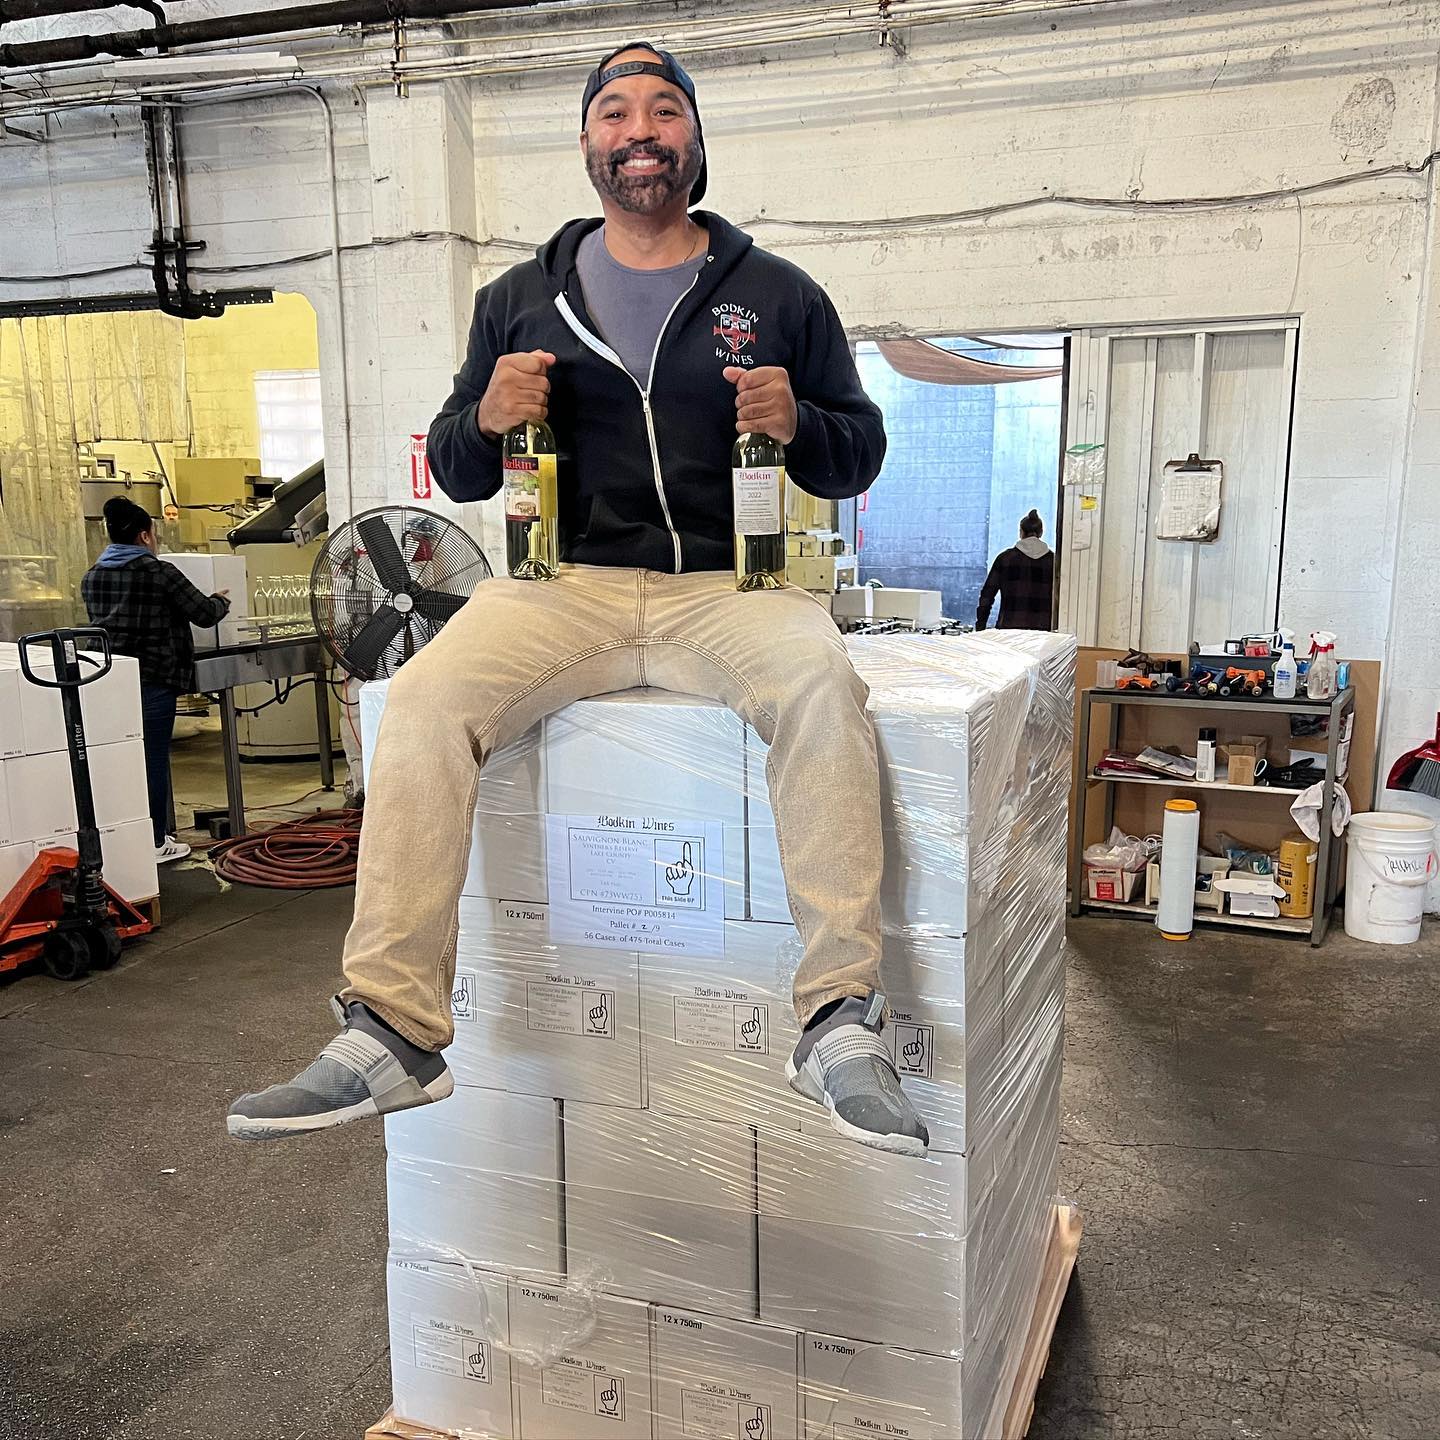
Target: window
x: 292, y: 432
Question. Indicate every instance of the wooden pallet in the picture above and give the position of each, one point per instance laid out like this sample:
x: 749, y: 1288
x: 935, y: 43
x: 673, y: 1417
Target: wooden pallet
x: 150, y: 909
x: 1054, y: 1281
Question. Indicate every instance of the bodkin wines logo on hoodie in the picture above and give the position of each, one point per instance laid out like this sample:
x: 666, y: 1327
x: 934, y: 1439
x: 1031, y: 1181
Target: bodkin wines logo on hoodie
x: 735, y: 329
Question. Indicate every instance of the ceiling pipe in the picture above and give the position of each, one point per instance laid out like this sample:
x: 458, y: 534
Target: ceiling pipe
x: 11, y: 10
x: 249, y: 26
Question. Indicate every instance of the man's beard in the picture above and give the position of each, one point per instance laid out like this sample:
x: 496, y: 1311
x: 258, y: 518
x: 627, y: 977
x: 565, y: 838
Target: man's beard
x: 645, y: 194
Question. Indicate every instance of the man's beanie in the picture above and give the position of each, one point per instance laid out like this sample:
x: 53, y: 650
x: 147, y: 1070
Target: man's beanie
x: 667, y: 67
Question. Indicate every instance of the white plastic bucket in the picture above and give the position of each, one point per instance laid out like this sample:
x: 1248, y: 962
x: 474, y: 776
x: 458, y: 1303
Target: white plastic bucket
x: 1391, y: 857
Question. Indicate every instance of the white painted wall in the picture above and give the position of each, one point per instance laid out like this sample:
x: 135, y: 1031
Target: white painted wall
x: 1146, y: 103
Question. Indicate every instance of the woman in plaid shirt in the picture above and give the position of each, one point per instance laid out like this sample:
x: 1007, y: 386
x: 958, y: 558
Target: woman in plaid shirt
x: 147, y: 607
x: 1024, y: 578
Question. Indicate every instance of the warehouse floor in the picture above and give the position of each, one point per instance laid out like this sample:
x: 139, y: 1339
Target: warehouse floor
x: 1250, y: 1130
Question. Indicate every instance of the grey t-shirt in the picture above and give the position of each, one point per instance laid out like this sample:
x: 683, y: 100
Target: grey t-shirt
x: 629, y: 306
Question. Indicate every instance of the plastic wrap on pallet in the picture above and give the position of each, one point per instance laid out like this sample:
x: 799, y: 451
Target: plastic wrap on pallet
x: 624, y: 1202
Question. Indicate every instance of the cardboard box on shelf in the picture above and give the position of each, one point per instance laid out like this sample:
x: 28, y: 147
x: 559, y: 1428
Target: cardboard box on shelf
x: 661, y: 1207
x: 1252, y: 894
x: 535, y: 1018
x: 478, y: 1176
x: 724, y: 1379
x: 449, y: 1339
x: 1243, y: 755
x: 581, y: 1364
x: 1107, y: 882
x: 651, y: 754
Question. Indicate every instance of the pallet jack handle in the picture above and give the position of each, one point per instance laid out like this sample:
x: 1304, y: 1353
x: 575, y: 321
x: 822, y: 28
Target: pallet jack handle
x: 66, y: 653
x: 70, y: 677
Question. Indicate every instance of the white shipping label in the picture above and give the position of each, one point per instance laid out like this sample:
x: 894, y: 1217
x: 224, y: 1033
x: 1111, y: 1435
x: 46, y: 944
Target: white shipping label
x: 572, y: 1386
x: 637, y: 882
x: 715, y: 1415
x: 865, y: 1429
x: 464, y: 997
x: 710, y: 1023
x: 913, y: 1047
x: 451, y: 1350
x: 570, y: 1005
x: 758, y: 497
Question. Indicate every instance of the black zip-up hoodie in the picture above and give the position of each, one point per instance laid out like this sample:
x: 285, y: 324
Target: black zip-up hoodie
x: 645, y: 473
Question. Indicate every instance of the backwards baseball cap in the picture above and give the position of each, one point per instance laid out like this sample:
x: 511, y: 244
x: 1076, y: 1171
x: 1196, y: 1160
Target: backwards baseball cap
x: 667, y: 67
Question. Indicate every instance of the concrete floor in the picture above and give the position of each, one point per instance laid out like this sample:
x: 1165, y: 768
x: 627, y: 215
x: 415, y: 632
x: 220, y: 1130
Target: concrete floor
x: 1250, y: 1130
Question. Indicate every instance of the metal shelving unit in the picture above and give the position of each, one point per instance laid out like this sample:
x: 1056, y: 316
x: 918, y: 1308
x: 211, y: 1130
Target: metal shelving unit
x: 1327, y: 866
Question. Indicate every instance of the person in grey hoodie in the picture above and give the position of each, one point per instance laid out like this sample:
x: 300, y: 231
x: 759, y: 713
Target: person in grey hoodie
x: 1024, y: 578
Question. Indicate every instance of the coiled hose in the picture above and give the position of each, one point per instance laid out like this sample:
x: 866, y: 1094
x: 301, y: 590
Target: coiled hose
x: 315, y: 853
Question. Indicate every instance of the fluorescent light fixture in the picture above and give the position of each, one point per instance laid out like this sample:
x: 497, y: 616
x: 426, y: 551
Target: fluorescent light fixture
x: 200, y: 67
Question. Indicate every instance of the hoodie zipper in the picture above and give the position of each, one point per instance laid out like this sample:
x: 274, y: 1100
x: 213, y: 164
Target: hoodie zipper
x: 603, y: 350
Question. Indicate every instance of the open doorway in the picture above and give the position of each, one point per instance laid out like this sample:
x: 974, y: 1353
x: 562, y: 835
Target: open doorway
x: 974, y: 426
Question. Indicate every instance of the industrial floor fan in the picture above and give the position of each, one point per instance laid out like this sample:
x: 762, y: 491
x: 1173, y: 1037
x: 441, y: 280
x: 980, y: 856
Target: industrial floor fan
x: 386, y: 582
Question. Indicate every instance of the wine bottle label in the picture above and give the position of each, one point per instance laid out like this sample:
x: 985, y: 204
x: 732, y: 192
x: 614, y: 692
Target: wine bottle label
x: 758, y: 492
x: 529, y: 485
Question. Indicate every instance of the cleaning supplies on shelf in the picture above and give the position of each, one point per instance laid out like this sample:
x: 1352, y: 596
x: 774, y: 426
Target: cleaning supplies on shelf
x: 1179, y: 850
x: 1205, y: 756
x: 1322, y: 680
x: 1286, y: 673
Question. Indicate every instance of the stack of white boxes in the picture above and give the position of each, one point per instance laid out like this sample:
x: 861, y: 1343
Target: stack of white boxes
x: 624, y: 1223
x: 37, y: 796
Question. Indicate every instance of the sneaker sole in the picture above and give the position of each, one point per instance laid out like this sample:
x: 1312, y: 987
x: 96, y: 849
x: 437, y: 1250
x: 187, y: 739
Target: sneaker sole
x: 403, y: 1097
x: 803, y: 1083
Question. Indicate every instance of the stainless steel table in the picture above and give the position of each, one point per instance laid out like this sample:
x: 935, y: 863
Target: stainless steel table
x: 257, y: 662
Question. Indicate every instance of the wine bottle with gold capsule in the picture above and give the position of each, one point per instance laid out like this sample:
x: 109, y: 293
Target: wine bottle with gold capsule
x: 757, y: 467
x: 532, y: 502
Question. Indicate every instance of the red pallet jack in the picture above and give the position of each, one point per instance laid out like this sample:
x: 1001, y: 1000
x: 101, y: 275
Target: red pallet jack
x: 61, y: 910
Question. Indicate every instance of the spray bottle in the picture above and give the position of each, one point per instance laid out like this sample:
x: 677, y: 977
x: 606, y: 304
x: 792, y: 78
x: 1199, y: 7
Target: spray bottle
x: 1286, y: 673
x: 1321, y: 681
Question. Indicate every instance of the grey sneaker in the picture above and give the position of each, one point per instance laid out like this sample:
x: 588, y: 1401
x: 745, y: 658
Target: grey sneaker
x: 842, y: 1064
x: 365, y: 1070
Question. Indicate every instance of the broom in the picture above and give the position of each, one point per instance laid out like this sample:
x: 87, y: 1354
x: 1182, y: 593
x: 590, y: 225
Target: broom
x: 1418, y: 770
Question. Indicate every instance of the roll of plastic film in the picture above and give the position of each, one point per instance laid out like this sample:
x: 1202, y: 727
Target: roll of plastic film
x: 1180, y: 849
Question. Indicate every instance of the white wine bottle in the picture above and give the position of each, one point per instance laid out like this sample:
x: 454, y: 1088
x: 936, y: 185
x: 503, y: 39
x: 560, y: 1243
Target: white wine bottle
x: 532, y: 503
x: 757, y: 466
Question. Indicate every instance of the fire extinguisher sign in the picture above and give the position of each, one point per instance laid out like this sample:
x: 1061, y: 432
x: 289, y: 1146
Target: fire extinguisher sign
x: 419, y: 468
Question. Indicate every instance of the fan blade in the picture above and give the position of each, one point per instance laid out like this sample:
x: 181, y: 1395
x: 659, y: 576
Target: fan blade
x: 437, y: 607
x: 369, y: 643
x: 384, y: 553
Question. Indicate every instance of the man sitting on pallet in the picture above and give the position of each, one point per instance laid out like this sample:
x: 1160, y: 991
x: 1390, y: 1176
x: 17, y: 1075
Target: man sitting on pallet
x: 648, y: 340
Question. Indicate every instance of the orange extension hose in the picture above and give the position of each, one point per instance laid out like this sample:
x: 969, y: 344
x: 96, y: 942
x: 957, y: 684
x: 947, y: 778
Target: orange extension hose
x: 315, y: 853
